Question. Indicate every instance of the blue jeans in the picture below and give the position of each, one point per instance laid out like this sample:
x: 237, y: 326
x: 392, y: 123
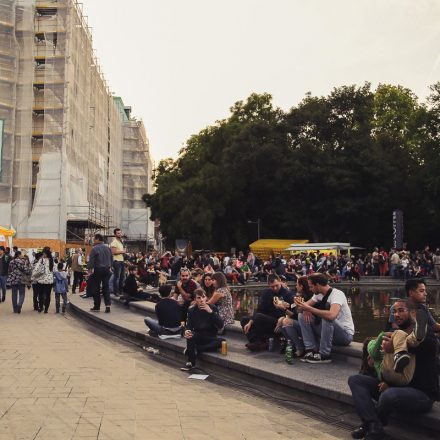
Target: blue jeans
x: 364, y: 390
x: 118, y: 277
x: 17, y: 289
x: 329, y: 332
x: 3, y: 285
x: 394, y: 271
x: 293, y: 333
x: 58, y: 296
x: 154, y: 326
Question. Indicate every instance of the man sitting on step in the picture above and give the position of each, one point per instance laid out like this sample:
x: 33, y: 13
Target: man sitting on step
x: 169, y: 313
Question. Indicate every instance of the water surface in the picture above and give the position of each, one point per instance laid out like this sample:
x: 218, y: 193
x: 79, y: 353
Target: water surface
x: 369, y: 305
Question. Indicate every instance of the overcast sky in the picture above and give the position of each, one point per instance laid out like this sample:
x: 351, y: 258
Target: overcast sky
x: 181, y: 64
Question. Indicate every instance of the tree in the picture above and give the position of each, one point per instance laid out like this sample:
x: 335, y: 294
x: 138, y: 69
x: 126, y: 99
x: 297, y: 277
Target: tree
x: 331, y: 169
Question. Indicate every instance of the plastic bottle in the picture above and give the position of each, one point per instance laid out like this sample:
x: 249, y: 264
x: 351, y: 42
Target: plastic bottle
x: 289, y: 352
x: 270, y: 345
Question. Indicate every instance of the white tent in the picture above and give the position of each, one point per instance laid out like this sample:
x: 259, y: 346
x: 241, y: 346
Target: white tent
x: 323, y: 247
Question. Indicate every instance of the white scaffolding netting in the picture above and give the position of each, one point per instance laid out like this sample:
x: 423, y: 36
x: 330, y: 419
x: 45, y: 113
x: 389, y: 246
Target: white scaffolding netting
x: 16, y: 74
x: 62, y: 144
x: 137, y: 175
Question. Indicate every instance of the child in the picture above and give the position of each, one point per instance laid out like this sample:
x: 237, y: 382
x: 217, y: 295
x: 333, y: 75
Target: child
x: 60, y: 287
x: 397, y: 368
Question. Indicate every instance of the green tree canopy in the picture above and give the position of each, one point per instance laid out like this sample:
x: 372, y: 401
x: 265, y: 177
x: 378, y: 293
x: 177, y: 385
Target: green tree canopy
x: 331, y: 169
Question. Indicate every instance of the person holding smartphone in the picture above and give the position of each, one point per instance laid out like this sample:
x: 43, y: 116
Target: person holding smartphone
x: 202, y: 325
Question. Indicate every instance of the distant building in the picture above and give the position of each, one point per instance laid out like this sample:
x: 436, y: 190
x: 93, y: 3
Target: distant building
x: 137, y: 168
x: 61, y: 168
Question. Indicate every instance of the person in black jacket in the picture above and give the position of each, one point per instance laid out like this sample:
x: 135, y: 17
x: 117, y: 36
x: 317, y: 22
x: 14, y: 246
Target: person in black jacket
x: 415, y: 398
x: 132, y: 292
x: 4, y: 265
x: 202, y: 325
x: 99, y: 265
x: 261, y: 325
x: 168, y: 312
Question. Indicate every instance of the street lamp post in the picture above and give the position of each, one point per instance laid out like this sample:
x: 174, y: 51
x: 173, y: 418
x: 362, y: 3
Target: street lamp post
x: 258, y: 226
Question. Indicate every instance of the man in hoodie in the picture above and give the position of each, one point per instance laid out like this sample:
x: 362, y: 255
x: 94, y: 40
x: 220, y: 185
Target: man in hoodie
x: 202, y: 326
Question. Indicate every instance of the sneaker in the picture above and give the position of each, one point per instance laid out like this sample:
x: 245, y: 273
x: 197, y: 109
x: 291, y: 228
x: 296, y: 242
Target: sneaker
x: 359, y: 433
x: 421, y: 324
x: 94, y: 309
x: 318, y: 359
x: 308, y: 355
x: 401, y: 360
x: 107, y: 309
x: 188, y: 367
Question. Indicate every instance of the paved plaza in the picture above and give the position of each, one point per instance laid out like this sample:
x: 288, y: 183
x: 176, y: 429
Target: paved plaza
x: 61, y: 381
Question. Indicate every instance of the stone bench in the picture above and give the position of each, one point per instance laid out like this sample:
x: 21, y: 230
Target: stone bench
x: 267, y: 367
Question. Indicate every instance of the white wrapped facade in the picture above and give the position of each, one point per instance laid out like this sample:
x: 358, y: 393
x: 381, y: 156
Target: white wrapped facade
x: 62, y: 150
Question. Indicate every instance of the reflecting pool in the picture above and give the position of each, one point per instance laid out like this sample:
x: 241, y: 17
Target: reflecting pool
x: 369, y: 305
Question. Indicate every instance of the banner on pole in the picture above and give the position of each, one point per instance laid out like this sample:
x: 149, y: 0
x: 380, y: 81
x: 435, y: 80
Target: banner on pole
x: 398, y: 229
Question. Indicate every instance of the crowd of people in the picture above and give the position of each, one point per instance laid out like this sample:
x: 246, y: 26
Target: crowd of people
x: 399, y: 369
x: 241, y: 268
x: 399, y: 366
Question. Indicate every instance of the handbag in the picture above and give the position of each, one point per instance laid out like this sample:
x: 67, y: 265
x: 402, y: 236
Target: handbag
x: 322, y: 305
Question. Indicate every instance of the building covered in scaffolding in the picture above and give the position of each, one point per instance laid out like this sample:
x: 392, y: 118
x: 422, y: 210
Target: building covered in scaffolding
x: 137, y: 168
x: 63, y: 135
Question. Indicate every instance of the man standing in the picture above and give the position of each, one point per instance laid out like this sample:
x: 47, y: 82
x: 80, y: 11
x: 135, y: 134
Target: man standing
x: 394, y: 264
x: 4, y: 264
x: 100, y: 261
x: 77, y: 269
x: 375, y: 261
x: 436, y: 261
x: 418, y: 397
x: 118, y: 251
x: 327, y: 315
x: 271, y: 306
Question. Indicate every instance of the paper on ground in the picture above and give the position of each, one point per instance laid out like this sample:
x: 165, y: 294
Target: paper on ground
x: 198, y: 376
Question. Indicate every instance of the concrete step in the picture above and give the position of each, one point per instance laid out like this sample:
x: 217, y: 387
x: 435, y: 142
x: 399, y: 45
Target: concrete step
x: 326, y: 381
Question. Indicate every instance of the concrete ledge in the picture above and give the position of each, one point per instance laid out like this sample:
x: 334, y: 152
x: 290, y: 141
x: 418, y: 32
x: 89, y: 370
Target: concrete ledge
x: 146, y: 308
x: 329, y: 381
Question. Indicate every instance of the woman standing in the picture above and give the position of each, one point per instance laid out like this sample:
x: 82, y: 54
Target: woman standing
x: 43, y: 276
x: 222, y: 299
x: 17, y: 267
x: 37, y: 258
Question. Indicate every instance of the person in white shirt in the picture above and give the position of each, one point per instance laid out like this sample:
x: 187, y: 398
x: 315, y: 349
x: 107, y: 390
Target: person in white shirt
x: 326, y: 316
x: 77, y: 269
x: 118, y: 251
